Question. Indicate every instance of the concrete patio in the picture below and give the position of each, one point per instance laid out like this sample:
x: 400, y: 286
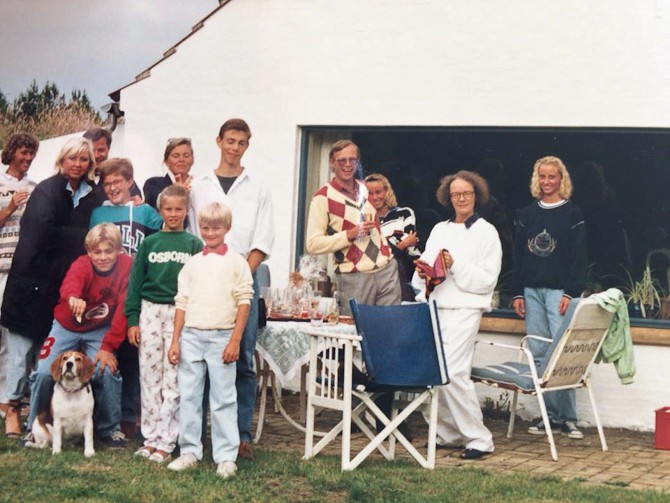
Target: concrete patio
x: 631, y: 460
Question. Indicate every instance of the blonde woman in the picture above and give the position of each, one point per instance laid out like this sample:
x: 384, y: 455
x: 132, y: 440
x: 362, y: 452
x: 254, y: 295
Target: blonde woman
x: 398, y: 225
x: 550, y: 261
x: 178, y: 158
x: 53, y: 229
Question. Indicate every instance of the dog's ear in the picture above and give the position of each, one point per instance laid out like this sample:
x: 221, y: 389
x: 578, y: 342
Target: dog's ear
x: 87, y: 369
x: 57, y: 367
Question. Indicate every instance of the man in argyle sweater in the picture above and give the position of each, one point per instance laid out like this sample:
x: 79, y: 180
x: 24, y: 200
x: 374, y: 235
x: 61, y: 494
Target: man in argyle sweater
x: 343, y: 222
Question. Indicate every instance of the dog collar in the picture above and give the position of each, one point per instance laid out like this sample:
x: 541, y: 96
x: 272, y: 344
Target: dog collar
x: 77, y: 390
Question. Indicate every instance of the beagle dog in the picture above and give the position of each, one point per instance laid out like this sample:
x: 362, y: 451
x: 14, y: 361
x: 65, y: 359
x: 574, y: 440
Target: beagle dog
x: 71, y: 410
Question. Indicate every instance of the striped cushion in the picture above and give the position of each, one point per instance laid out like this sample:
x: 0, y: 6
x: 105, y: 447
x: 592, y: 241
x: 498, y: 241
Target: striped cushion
x: 508, y: 374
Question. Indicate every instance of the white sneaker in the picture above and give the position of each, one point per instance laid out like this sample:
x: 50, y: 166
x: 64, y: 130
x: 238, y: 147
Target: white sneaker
x: 183, y: 462
x: 160, y: 457
x: 144, y: 452
x: 226, y: 469
x: 570, y: 430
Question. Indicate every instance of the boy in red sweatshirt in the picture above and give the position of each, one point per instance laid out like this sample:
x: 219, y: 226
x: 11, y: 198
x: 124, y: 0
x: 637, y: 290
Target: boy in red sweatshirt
x: 89, y: 318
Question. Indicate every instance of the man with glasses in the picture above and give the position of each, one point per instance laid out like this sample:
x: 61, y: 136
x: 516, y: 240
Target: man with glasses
x: 252, y: 235
x: 343, y: 222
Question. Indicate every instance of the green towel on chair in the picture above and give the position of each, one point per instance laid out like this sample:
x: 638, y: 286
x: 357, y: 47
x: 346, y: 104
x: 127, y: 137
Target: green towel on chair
x: 617, y: 347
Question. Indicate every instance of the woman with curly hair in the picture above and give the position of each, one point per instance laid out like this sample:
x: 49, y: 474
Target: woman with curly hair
x: 15, y: 188
x: 459, y: 270
x: 550, y: 262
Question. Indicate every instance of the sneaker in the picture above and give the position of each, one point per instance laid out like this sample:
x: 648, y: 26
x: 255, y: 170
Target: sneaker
x: 144, y: 452
x: 539, y: 428
x: 226, y: 469
x: 245, y: 450
x: 160, y: 456
x: 569, y: 429
x: 183, y: 462
x: 117, y: 440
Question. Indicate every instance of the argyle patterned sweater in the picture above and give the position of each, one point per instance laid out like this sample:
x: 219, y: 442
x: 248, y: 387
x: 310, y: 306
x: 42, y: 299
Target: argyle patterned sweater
x: 331, y: 214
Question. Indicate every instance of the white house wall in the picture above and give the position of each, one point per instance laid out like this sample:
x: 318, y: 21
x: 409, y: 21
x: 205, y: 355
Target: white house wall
x: 283, y: 64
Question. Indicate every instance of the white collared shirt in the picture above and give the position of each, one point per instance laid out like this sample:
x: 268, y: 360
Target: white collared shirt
x: 251, y: 204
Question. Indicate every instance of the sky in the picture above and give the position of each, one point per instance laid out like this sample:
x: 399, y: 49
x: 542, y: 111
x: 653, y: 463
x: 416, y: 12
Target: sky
x: 94, y: 45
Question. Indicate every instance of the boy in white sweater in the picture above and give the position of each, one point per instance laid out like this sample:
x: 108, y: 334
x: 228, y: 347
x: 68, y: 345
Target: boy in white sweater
x: 212, y: 307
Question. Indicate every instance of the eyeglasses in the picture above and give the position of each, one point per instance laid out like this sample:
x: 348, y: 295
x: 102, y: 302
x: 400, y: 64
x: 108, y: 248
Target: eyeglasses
x: 179, y: 140
x: 116, y: 184
x: 468, y: 194
x: 346, y: 160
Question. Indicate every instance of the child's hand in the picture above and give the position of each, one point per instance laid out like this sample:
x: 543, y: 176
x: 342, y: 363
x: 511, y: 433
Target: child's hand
x: 173, y: 354
x: 232, y: 352
x: 106, y: 359
x: 134, y: 336
x: 77, y: 307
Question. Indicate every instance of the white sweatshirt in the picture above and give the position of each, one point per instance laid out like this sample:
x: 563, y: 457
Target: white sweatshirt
x: 473, y: 276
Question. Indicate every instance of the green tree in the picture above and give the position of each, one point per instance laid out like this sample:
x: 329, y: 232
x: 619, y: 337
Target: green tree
x: 4, y: 104
x: 46, y: 112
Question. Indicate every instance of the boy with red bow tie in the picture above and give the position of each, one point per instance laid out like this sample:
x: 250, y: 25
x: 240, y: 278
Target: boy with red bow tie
x: 213, y: 300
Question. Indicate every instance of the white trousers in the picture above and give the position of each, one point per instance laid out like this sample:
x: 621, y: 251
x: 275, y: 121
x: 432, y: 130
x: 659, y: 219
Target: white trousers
x: 460, y: 418
x: 158, y: 377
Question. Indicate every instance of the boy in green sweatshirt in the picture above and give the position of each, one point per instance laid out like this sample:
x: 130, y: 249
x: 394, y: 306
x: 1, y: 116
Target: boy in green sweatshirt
x: 150, y: 312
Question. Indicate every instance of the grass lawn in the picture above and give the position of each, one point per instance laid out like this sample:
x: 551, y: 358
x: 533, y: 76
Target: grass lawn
x: 28, y: 475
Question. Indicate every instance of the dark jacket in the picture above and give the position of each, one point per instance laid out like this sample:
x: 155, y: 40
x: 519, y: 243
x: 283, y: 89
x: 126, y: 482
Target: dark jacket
x: 153, y: 187
x: 51, y: 237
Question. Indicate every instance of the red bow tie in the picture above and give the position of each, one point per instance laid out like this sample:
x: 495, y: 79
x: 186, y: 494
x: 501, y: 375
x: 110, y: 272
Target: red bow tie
x: 221, y: 250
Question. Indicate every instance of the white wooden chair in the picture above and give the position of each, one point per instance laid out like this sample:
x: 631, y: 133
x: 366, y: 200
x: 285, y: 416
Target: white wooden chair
x: 402, y: 351
x: 566, y: 365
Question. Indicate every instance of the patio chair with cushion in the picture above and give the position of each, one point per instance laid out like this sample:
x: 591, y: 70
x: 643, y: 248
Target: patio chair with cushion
x: 566, y: 365
x: 402, y: 353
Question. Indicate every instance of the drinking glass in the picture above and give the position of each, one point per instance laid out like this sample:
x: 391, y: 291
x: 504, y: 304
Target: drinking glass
x: 316, y: 316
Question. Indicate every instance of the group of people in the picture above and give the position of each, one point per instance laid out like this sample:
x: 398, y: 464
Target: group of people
x: 376, y: 261
x: 91, y: 266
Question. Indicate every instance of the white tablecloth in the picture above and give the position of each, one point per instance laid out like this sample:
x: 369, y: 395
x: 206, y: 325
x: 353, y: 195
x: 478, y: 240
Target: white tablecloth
x: 285, y: 346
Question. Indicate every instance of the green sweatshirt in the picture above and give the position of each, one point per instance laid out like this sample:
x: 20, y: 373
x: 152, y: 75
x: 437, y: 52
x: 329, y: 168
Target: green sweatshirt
x: 159, y: 259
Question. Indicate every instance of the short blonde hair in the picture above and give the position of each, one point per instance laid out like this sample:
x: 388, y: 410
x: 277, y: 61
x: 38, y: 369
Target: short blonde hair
x: 565, y: 190
x: 216, y: 214
x: 174, y: 190
x: 341, y: 145
x: 103, y: 232
x: 74, y: 146
x: 390, y: 199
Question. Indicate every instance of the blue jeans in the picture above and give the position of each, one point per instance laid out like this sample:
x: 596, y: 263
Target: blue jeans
x: 20, y: 355
x: 544, y: 320
x: 106, y: 388
x: 246, y: 373
x: 201, y: 353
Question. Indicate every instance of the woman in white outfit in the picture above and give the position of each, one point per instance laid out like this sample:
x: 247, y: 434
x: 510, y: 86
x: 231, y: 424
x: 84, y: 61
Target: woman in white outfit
x: 471, y: 252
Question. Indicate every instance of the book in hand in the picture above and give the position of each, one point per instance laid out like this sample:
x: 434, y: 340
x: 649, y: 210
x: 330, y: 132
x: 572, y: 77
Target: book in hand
x: 434, y: 274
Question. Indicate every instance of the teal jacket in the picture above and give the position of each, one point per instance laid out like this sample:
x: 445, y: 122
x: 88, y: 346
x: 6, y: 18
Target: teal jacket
x: 617, y: 347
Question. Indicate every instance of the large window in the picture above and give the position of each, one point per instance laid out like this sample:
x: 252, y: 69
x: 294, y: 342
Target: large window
x: 621, y: 178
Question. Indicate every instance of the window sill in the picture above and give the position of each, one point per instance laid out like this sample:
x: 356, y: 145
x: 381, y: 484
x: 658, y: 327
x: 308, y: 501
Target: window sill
x: 642, y: 331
